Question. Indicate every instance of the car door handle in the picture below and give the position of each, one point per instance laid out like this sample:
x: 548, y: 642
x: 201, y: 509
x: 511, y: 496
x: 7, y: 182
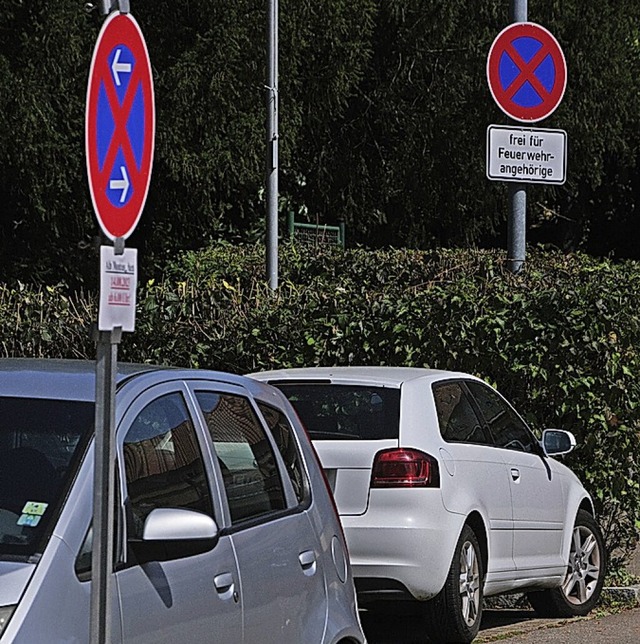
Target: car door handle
x: 308, y: 562
x: 225, y: 586
x: 515, y: 474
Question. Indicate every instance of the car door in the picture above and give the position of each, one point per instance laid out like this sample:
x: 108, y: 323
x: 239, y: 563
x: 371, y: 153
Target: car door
x: 188, y: 598
x: 477, y: 478
x: 281, y: 575
x: 537, y: 493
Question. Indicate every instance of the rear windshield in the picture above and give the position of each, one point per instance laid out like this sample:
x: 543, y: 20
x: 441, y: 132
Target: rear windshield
x: 334, y: 412
x: 41, y: 444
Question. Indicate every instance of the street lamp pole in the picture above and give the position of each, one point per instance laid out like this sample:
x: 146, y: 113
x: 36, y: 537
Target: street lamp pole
x: 272, y: 144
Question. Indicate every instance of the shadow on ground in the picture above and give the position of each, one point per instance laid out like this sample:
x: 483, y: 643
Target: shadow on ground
x: 410, y: 629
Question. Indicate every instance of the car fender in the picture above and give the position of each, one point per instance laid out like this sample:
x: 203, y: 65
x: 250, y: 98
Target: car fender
x: 577, y: 499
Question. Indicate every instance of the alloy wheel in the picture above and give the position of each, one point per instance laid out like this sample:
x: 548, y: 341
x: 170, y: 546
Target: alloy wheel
x: 584, y: 566
x: 469, y: 583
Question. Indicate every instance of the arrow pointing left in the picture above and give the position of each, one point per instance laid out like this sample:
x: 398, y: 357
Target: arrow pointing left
x: 118, y: 68
x: 121, y: 184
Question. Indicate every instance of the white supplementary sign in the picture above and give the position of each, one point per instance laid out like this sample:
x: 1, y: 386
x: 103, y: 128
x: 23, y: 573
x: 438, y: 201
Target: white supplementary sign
x: 526, y: 155
x: 118, y: 282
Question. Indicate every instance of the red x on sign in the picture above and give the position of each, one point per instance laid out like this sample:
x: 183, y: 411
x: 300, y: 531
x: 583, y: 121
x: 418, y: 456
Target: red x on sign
x: 527, y: 72
x: 120, y: 125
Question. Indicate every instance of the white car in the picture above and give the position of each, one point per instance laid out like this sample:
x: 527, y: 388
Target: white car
x: 445, y: 494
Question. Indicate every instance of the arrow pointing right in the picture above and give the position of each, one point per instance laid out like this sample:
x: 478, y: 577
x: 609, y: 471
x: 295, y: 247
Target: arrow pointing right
x: 121, y: 184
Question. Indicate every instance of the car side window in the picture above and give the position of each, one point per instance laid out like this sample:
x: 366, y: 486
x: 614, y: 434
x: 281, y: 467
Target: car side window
x: 507, y: 428
x: 246, y: 458
x: 285, y: 439
x: 458, y: 421
x: 163, y: 463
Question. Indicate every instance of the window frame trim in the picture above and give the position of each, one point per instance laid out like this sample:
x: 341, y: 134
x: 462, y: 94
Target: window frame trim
x: 135, y: 406
x: 229, y: 527
x: 532, y: 436
x: 474, y: 406
x: 298, y: 506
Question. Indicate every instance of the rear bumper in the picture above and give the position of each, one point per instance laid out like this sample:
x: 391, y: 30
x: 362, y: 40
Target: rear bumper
x: 402, y: 547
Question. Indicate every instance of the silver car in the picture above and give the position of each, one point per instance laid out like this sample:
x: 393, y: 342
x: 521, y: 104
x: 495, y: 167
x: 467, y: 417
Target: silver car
x: 194, y: 448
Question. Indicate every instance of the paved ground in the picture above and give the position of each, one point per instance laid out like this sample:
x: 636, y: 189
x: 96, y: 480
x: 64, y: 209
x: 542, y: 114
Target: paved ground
x: 517, y: 626
x: 622, y: 628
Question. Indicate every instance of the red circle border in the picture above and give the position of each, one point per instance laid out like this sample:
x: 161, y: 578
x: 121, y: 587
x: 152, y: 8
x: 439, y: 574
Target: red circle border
x: 119, y: 29
x: 546, y: 38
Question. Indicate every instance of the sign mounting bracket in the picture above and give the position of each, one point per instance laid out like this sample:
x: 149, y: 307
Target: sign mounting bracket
x: 107, y: 6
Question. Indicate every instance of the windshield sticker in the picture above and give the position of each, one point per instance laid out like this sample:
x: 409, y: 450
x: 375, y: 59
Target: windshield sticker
x: 32, y: 513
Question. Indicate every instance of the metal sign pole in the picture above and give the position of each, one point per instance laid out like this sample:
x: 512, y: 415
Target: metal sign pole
x: 517, y: 224
x: 104, y: 458
x: 272, y: 144
x: 517, y: 227
x: 103, y: 486
x: 107, y: 6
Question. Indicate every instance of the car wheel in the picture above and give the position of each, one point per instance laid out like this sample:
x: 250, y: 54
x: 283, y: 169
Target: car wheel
x: 583, y: 582
x: 454, y: 614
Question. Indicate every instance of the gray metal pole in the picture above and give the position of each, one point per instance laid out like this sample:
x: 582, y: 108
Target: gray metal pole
x: 272, y: 144
x: 104, y: 463
x: 518, y: 10
x: 103, y: 486
x: 517, y: 225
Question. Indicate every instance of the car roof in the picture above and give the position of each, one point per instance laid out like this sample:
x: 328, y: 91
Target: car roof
x: 383, y: 376
x: 76, y: 379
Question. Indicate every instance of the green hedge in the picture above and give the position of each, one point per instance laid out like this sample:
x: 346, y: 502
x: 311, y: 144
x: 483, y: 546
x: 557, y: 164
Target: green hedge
x: 560, y: 340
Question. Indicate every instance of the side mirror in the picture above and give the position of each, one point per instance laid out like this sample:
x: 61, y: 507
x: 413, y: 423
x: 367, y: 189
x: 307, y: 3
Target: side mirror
x: 174, y: 533
x: 557, y: 442
x: 177, y: 524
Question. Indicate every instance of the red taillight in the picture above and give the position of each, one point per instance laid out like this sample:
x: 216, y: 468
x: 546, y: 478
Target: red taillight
x: 405, y: 468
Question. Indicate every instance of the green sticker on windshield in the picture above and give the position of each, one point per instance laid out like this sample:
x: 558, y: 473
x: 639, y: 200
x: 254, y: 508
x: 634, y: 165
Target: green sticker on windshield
x: 35, y: 508
x: 32, y: 513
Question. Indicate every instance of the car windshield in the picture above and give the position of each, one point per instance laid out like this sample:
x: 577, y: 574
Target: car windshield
x: 41, y: 443
x: 334, y: 412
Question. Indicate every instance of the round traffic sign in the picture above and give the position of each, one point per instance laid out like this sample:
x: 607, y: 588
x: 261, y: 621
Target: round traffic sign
x: 527, y: 72
x: 119, y: 125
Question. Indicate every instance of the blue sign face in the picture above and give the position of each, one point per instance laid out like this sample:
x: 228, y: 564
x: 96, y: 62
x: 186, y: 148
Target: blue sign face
x: 544, y: 73
x: 120, y: 125
x: 526, y: 71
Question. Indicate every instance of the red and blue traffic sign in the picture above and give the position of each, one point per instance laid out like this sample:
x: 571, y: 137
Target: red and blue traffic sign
x: 119, y: 125
x: 527, y: 71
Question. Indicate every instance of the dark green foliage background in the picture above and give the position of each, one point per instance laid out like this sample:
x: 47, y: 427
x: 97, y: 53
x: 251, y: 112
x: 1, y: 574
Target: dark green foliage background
x: 561, y: 340
x: 384, y: 107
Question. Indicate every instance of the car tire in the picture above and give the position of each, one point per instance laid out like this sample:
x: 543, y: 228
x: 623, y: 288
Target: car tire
x: 582, y: 585
x: 454, y: 614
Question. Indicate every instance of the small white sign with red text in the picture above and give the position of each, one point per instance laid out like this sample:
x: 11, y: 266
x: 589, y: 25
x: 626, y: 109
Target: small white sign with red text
x: 118, y: 282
